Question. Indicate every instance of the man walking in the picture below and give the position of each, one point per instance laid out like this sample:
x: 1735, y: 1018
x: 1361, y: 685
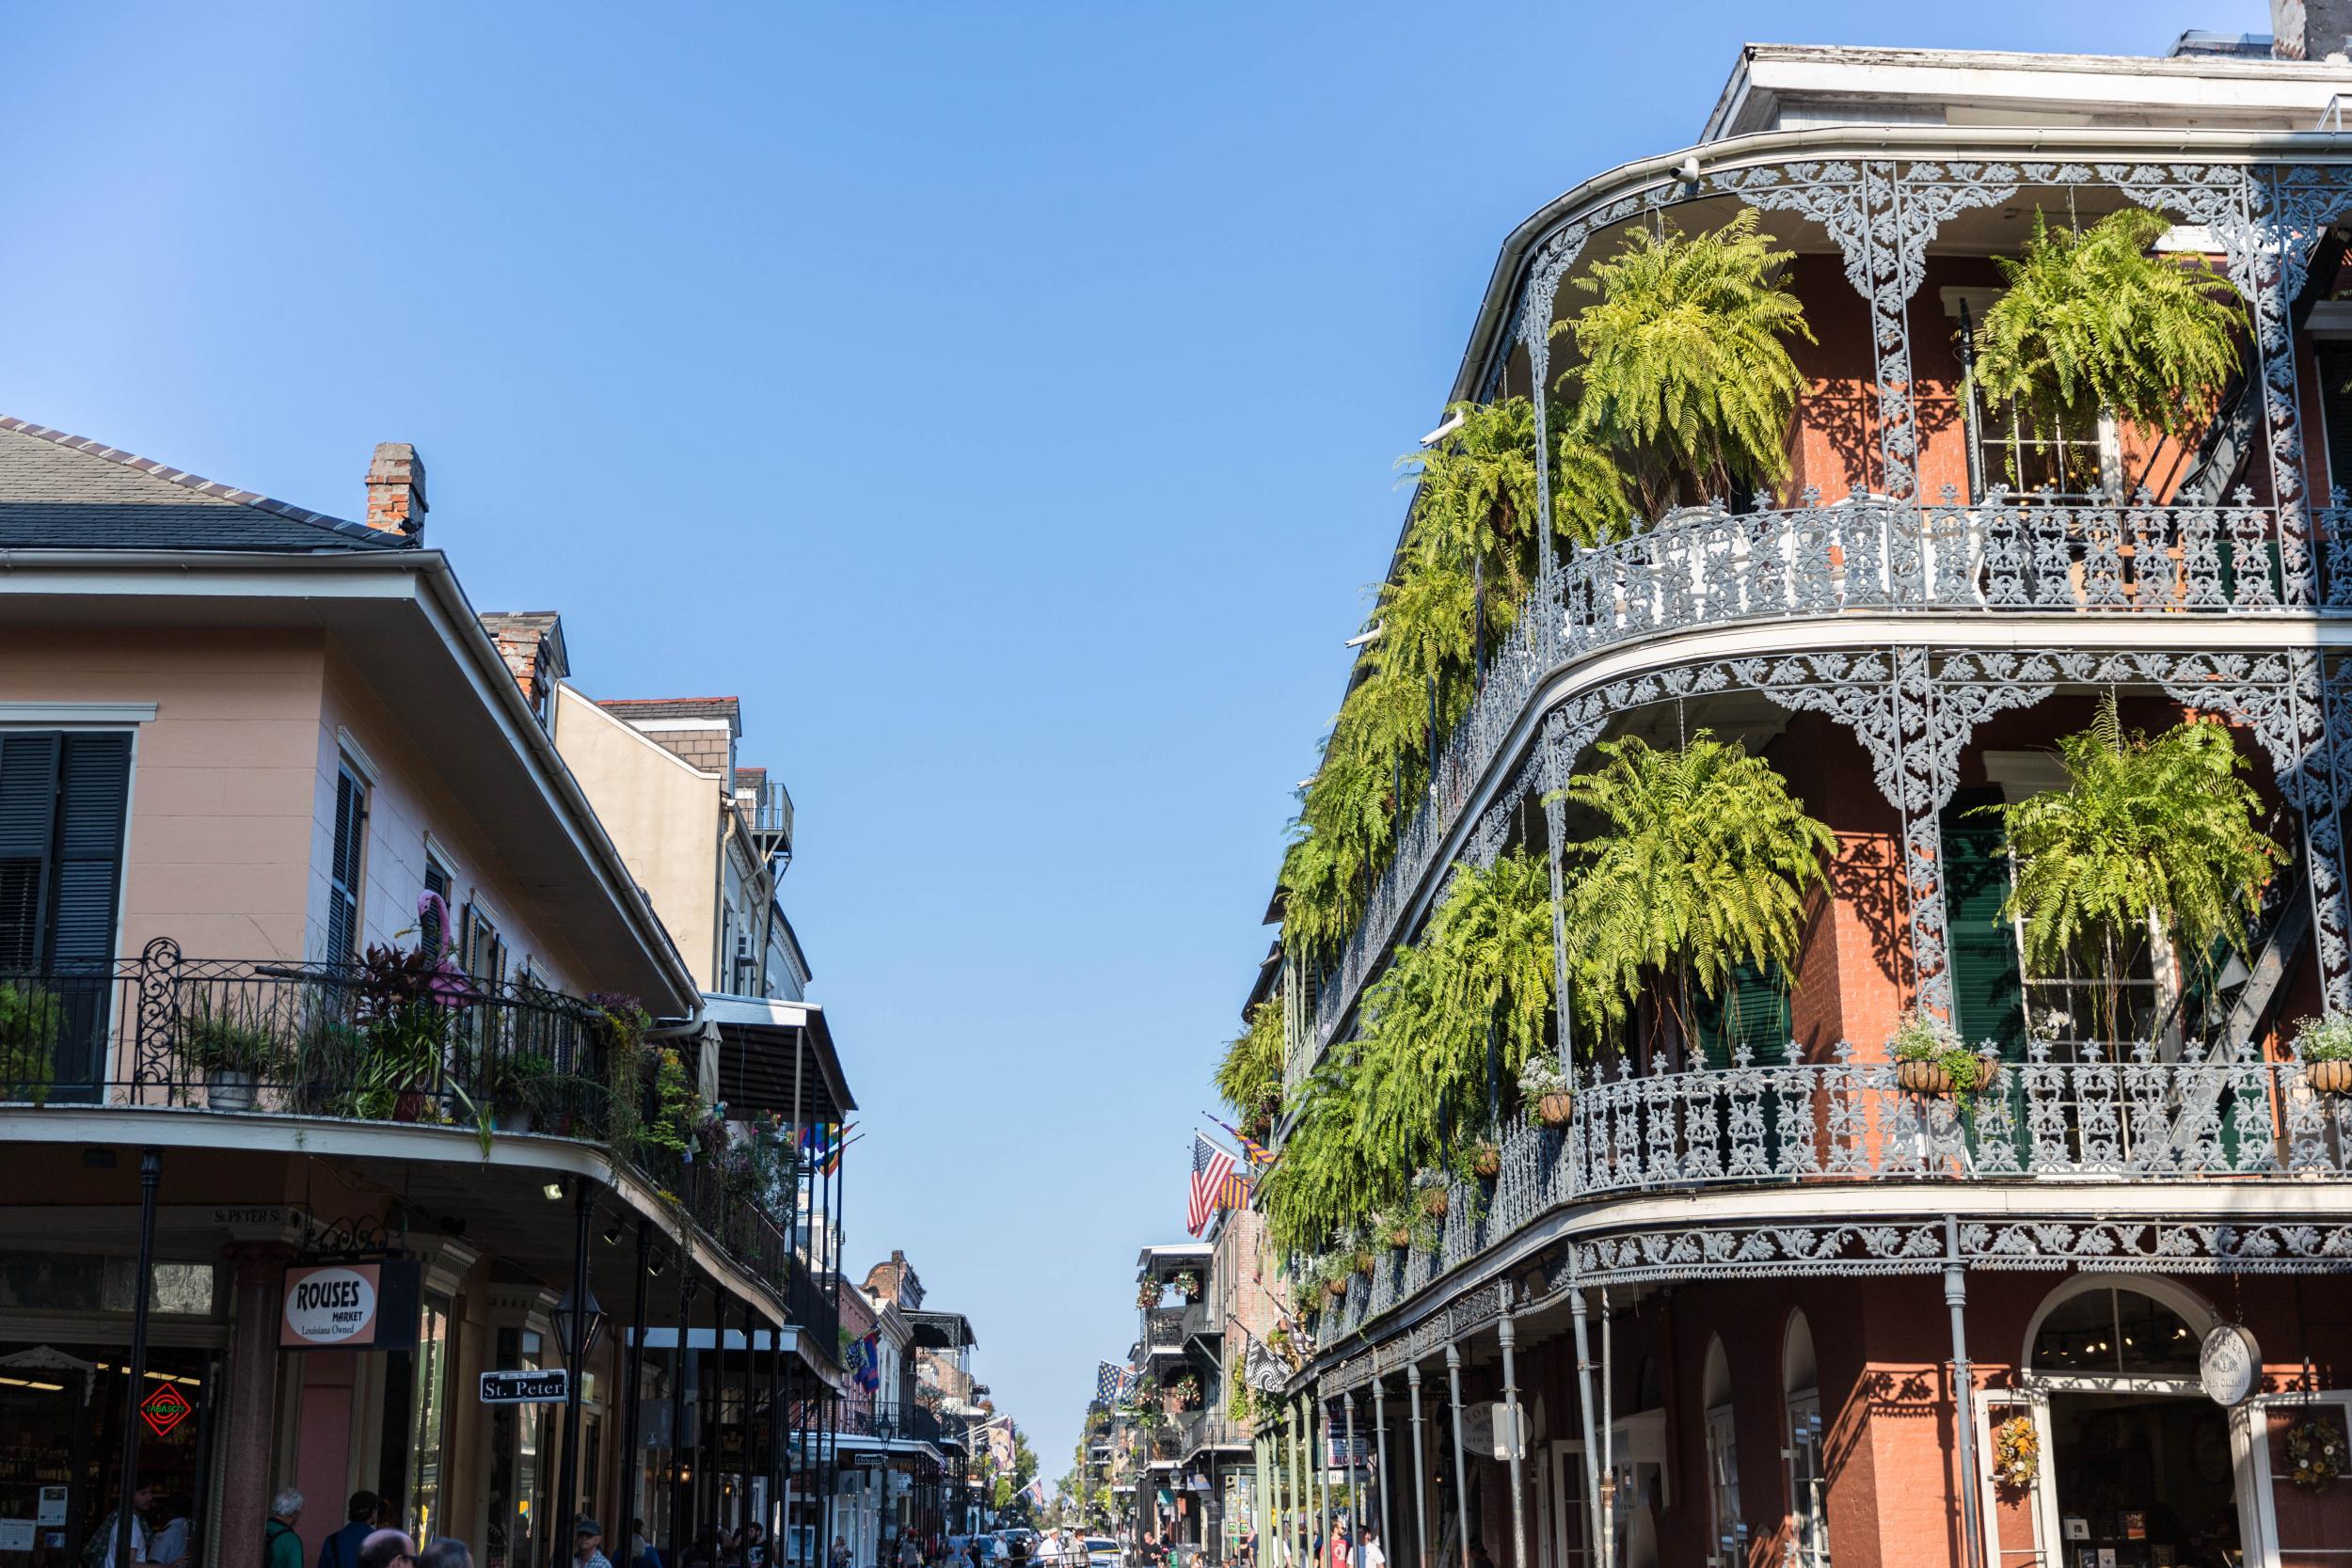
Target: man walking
x: 588, y: 1544
x: 280, y: 1546
x: 342, y: 1549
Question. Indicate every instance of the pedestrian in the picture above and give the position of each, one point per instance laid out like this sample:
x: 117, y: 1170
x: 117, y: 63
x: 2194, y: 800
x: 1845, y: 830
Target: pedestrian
x: 446, y: 1551
x: 342, y: 1549
x: 588, y: 1544
x: 641, y: 1551
x: 110, y: 1528
x: 1478, y: 1554
x: 1372, y: 1556
x: 282, y: 1547
x: 387, y: 1548
x: 755, y: 1546
x: 909, y: 1555
x: 840, y: 1558
x: 168, y: 1540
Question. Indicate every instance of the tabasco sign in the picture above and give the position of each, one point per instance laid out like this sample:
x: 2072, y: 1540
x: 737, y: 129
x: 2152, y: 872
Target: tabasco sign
x: 350, y: 1306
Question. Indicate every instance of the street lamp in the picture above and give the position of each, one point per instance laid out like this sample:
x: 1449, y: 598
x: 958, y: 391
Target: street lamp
x: 565, y: 1312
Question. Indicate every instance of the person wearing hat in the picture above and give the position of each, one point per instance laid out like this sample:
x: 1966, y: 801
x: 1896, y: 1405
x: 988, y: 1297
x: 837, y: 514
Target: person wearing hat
x: 588, y: 1544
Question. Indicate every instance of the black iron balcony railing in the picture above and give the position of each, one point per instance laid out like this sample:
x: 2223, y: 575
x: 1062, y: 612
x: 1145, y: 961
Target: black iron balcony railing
x: 889, y: 1420
x: 2005, y: 556
x: 1164, y: 1328
x: 2070, y: 1112
x: 373, y: 1043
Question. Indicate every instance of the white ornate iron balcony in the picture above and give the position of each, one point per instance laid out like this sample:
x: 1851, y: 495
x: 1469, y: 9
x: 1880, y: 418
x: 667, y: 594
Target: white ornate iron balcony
x: 2116, y: 1115
x: 2029, y: 555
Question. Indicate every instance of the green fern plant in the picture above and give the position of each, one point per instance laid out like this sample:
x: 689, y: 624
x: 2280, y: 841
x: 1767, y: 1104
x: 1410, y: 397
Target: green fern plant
x: 1250, y: 1075
x: 1705, y: 863
x: 2159, y: 828
x: 1686, y: 377
x: 2097, y: 321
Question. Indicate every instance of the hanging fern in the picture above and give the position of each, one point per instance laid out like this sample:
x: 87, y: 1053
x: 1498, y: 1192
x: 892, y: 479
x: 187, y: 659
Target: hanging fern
x: 2096, y: 321
x: 1249, y: 1077
x: 2162, y: 827
x: 1686, y: 376
x: 1705, y: 865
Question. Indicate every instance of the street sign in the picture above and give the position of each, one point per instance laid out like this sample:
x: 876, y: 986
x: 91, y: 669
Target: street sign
x: 553, y: 1387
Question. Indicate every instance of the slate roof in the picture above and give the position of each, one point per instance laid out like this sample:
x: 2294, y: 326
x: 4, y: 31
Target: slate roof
x: 64, y: 492
x: 727, y: 709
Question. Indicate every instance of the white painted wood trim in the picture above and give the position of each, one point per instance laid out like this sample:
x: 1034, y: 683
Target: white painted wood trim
x: 113, y: 714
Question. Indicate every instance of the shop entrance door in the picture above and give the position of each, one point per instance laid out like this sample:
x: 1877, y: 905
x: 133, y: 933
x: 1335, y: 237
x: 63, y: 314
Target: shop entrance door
x: 2143, y: 1480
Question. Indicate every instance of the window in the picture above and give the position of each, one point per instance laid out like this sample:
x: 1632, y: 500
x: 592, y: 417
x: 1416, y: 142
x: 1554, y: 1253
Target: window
x: 1809, y: 1489
x: 2115, y: 1329
x: 346, y: 866
x: 1723, y: 1488
x: 431, y: 933
x: 64, y: 797
x: 2335, y: 407
x: 430, y: 1407
x: 486, y: 950
x: 2070, y: 456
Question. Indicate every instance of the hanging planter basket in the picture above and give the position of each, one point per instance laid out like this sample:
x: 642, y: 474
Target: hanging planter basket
x: 1487, y: 1160
x: 1336, y: 1288
x: 1432, y: 1202
x: 1926, y: 1075
x: 2333, y: 1076
x: 1555, y: 1109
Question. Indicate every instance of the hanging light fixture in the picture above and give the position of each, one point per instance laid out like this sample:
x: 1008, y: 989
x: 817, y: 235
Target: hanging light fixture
x: 565, y: 1311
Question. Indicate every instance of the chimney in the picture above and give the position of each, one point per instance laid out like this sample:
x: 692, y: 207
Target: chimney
x: 2309, y: 29
x: 396, y: 486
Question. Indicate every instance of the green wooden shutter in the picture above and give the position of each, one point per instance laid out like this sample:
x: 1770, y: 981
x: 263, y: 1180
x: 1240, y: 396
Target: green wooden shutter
x: 1753, y: 1010
x: 28, y: 804
x: 343, y: 870
x: 1988, y: 993
x: 93, y: 804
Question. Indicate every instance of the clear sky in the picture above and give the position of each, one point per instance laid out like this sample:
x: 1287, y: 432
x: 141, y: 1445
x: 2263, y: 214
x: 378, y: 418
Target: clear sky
x: 998, y: 397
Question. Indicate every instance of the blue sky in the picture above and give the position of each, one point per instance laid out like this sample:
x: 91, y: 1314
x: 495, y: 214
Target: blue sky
x: 999, y: 397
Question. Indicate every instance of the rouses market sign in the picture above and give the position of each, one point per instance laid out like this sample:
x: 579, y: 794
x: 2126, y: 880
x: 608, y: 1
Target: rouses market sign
x: 350, y: 1306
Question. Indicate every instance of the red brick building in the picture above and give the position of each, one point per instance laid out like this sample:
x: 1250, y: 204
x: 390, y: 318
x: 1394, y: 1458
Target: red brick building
x: 1757, y: 1301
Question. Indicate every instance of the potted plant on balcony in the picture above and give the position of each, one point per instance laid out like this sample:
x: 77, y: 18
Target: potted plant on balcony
x: 1186, y: 1389
x: 1430, y: 1193
x: 31, y: 1020
x: 408, y: 1002
x: 1930, y: 1059
x: 1547, y: 1089
x: 1188, y: 1284
x: 2097, y: 322
x: 518, y: 1085
x: 1148, y: 1294
x: 1393, y: 1226
x: 2324, y: 1046
x: 232, y: 1044
x: 2148, y: 833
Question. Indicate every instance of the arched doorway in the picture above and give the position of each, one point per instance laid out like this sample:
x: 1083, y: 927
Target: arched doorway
x: 2136, y: 1460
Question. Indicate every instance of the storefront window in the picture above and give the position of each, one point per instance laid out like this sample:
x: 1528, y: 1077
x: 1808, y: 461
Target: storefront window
x: 62, y: 1410
x: 515, y: 1471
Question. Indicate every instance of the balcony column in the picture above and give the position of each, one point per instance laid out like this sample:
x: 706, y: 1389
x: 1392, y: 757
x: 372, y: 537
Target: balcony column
x: 1963, y: 1393
x: 1420, y: 1471
x: 681, y: 1381
x: 1319, y: 1455
x: 1506, y: 1330
x: 633, y: 1377
x: 1580, y: 1312
x: 1356, y: 1506
x: 770, y: 1517
x: 252, y: 1400
x: 1461, y: 1468
x: 1380, y: 1449
x: 575, y: 1360
x: 1299, y: 1487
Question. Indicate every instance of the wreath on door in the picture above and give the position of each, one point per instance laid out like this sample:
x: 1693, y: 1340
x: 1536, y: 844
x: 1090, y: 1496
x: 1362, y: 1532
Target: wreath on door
x: 2316, y: 1451
x: 2016, y: 1453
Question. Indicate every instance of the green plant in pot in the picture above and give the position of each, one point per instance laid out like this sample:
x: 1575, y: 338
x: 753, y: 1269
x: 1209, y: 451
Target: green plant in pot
x: 522, y: 1088
x: 1931, y: 1060
x: 1547, y: 1090
x: 31, y: 1019
x: 408, y: 1004
x: 233, y: 1043
x: 2324, y: 1046
x: 1430, y: 1196
x: 1188, y: 1283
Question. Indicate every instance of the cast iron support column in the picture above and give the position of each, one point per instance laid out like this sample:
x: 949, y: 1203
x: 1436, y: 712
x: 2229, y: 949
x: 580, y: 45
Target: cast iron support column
x: 1461, y: 1473
x: 1420, y: 1471
x: 1356, y: 1506
x: 1964, y: 1396
x: 1506, y: 1332
x: 1319, y: 1455
x: 142, y: 1293
x: 576, y: 1363
x: 775, y: 1444
x: 1596, y: 1547
x: 1380, y: 1454
x: 632, y: 1381
x: 681, y: 1369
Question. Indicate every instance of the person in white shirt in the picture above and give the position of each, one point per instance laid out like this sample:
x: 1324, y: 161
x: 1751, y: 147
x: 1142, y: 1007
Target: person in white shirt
x: 1370, y: 1554
x: 142, y: 1555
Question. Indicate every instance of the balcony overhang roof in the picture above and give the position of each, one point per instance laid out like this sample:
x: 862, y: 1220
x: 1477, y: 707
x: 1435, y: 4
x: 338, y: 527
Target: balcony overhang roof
x: 942, y: 1330
x: 1159, y: 1263
x: 400, y: 620
x: 778, y: 1057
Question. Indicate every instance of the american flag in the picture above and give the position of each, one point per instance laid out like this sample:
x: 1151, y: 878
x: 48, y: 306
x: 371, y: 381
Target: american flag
x: 1211, y: 1165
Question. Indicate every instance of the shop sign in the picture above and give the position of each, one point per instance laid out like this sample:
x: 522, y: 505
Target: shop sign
x: 552, y: 1386
x: 165, y: 1409
x: 351, y: 1305
x: 2228, y: 1365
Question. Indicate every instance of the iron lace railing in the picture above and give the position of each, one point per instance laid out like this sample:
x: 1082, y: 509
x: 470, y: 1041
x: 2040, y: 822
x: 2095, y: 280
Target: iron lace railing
x: 168, y: 1032
x: 1164, y: 1328
x: 1705, y: 566
x: 2108, y: 1113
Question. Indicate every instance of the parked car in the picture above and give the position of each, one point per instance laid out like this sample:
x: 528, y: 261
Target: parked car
x: 1103, y: 1552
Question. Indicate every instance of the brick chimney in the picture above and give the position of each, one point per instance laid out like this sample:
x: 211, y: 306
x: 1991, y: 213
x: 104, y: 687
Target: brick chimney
x: 2309, y: 29
x: 396, y: 488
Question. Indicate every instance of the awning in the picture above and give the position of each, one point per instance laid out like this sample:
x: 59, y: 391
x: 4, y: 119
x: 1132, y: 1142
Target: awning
x: 778, y: 1057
